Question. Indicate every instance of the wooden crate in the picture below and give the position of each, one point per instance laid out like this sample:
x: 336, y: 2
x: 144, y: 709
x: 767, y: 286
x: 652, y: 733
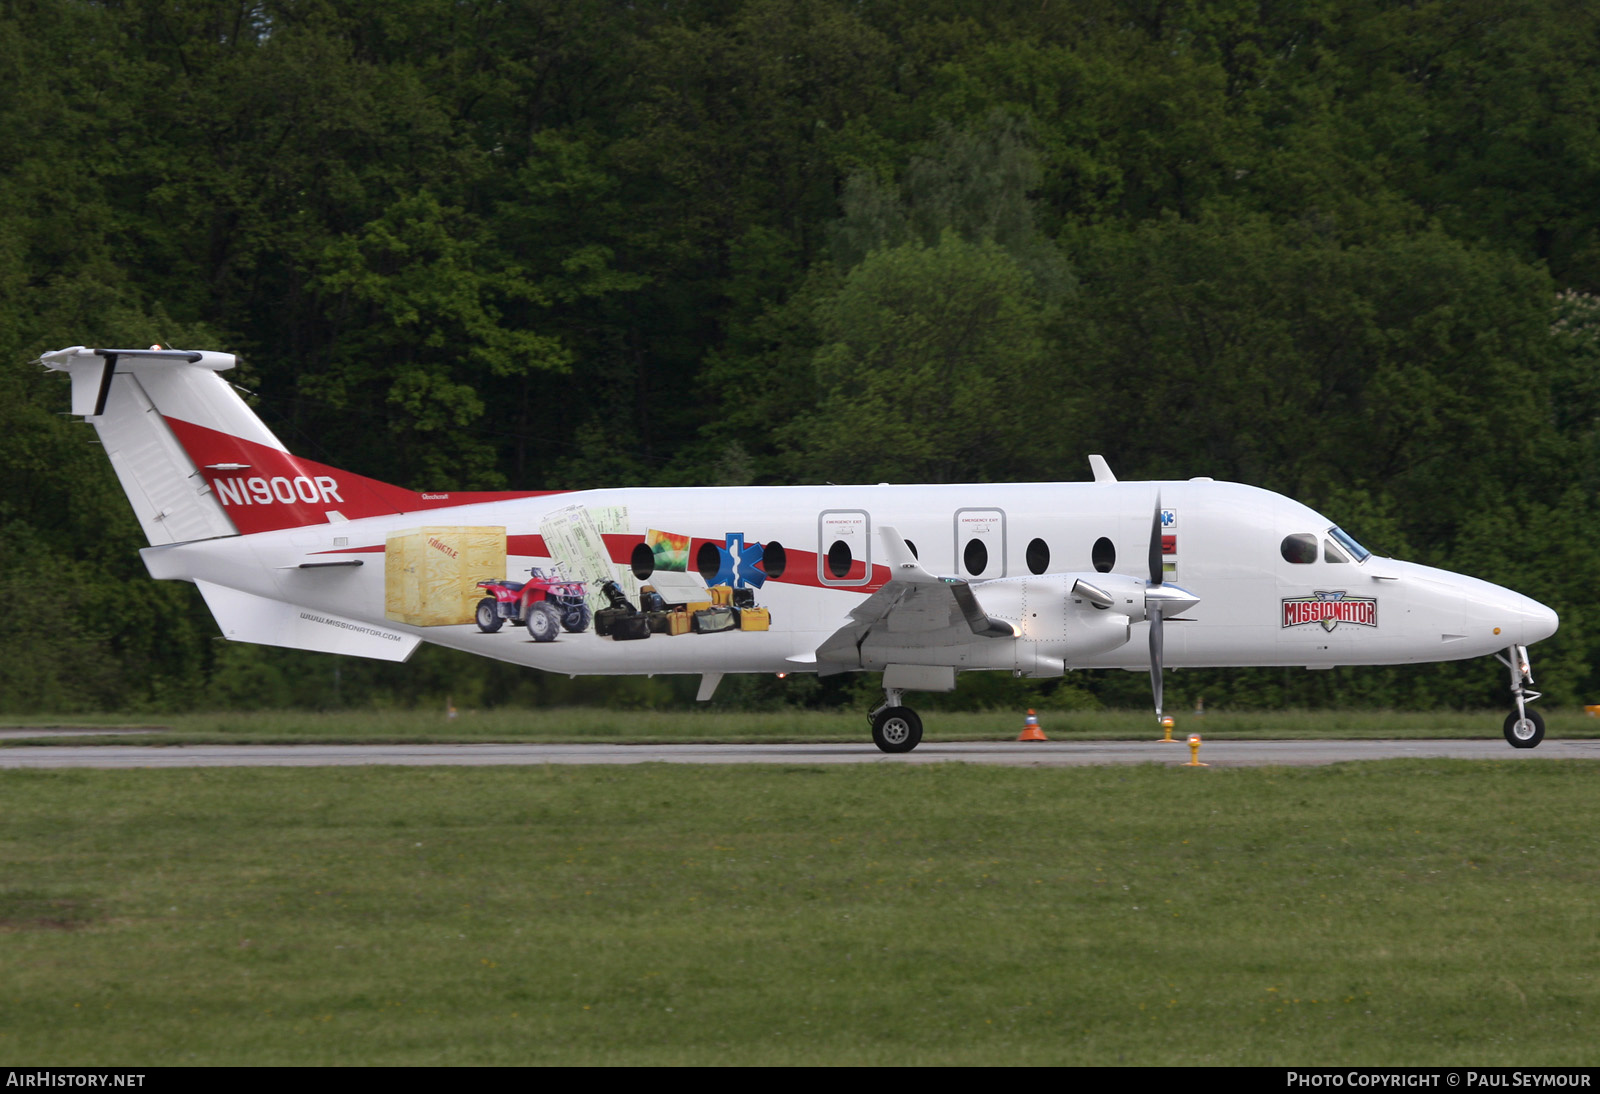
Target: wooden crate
x: 431, y: 574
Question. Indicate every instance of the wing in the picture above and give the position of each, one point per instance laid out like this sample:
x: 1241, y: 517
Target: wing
x: 914, y: 606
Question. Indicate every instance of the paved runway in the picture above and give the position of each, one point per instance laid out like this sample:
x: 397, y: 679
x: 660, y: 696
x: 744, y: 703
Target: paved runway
x: 1051, y: 754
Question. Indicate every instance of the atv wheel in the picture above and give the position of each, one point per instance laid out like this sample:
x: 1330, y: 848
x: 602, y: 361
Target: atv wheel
x: 489, y: 619
x: 544, y: 623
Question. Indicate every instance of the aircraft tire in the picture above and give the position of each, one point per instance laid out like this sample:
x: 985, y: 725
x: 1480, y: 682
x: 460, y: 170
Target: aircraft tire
x: 576, y: 620
x: 489, y: 619
x: 896, y: 729
x: 544, y: 623
x: 1524, y: 733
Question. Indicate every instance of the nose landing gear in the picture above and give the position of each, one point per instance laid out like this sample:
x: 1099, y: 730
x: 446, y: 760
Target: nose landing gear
x: 1524, y: 728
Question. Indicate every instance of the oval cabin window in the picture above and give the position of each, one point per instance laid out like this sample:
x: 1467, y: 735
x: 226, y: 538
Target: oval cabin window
x: 1038, y: 556
x: 1300, y: 548
x: 643, y: 562
x: 774, y: 559
x: 839, y: 559
x: 1104, y: 555
x: 708, y: 560
x: 975, y: 557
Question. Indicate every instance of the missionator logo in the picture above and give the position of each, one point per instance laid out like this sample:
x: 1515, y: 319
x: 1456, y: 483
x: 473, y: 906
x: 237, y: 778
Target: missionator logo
x: 1330, y: 609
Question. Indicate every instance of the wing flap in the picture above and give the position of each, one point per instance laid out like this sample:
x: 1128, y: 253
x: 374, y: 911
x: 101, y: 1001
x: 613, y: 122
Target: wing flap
x: 915, y: 608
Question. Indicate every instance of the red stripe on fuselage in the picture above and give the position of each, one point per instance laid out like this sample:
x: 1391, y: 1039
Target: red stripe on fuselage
x: 801, y: 568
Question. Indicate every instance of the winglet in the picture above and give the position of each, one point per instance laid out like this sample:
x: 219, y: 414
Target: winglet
x: 903, y: 565
x: 1101, y: 469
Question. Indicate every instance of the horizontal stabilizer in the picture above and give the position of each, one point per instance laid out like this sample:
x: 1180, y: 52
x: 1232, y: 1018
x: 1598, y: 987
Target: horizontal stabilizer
x: 245, y: 617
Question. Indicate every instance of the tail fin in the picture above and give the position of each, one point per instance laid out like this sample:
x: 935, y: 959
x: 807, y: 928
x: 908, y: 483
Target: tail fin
x: 196, y: 462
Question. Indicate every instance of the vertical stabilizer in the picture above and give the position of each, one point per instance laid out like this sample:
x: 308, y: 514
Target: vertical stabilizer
x: 197, y: 463
x: 124, y: 394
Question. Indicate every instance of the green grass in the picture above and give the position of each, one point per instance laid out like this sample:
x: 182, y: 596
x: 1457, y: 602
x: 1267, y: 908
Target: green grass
x: 594, y: 724
x: 1399, y: 912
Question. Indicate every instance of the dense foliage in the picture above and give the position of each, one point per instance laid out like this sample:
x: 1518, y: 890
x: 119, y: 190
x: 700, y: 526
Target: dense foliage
x: 1345, y: 251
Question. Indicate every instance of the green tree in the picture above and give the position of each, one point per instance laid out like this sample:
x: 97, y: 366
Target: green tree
x: 927, y: 360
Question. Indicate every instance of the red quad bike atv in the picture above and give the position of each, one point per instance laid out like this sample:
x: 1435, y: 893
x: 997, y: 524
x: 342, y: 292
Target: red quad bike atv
x: 545, y: 604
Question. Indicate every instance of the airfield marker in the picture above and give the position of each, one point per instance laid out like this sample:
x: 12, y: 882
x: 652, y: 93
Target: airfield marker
x: 1166, y: 727
x: 1031, y: 730
x: 1194, y: 752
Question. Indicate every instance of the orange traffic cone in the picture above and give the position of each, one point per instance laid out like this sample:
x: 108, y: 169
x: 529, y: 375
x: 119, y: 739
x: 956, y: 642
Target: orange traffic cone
x: 1031, y: 730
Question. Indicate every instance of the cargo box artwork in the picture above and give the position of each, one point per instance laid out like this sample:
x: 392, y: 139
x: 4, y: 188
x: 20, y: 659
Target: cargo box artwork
x: 431, y: 574
x: 441, y: 576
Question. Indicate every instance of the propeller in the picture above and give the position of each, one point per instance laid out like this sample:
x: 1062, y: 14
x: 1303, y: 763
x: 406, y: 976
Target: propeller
x: 1160, y: 600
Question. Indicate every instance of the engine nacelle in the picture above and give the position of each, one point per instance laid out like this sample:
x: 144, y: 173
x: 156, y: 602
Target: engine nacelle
x: 1058, y: 627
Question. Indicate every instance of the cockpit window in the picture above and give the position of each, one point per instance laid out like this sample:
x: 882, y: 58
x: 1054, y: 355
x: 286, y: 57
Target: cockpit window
x: 1331, y: 553
x: 1344, y: 539
x: 1299, y: 548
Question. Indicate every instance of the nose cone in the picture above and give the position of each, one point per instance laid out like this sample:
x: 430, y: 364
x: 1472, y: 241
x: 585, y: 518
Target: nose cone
x: 1469, y: 611
x: 1538, y: 621
x: 1516, y: 619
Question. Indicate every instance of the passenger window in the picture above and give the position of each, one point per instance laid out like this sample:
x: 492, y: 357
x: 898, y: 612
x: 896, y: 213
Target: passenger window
x: 643, y: 562
x: 1104, y: 555
x: 839, y: 559
x: 1331, y: 553
x: 708, y: 560
x: 1299, y: 548
x: 774, y: 559
x: 1038, y: 556
x: 976, y: 557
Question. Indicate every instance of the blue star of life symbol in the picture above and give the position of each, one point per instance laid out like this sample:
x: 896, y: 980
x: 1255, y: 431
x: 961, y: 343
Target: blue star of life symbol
x: 1169, y: 517
x: 738, y: 563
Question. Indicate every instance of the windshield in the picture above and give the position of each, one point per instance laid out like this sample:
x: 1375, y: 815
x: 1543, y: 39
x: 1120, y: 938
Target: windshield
x: 1343, y: 538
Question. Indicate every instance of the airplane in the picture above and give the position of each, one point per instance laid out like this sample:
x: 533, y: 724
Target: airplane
x: 919, y: 582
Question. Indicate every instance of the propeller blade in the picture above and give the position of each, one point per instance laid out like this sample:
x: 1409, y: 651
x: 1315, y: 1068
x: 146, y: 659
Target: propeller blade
x: 1155, y: 543
x: 1153, y: 608
x: 1155, y: 656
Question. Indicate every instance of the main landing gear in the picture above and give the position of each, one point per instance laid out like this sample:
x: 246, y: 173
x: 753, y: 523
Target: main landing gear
x: 1524, y: 727
x: 895, y: 728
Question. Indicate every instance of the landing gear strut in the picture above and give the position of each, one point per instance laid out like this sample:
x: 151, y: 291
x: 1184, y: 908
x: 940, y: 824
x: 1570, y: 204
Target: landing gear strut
x: 1524, y: 727
x: 895, y: 728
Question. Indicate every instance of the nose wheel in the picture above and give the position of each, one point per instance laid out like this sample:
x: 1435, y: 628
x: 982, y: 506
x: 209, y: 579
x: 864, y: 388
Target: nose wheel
x: 895, y: 728
x: 1524, y: 730
x: 1524, y: 727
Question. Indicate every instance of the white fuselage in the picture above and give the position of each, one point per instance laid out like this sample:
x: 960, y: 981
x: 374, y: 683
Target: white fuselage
x: 1255, y: 607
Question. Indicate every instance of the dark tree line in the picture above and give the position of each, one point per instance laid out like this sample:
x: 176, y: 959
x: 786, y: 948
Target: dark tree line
x: 1349, y: 252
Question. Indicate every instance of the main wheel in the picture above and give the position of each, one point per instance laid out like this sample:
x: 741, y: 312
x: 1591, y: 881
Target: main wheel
x: 576, y: 619
x: 489, y: 619
x: 896, y: 729
x: 544, y: 623
x: 1524, y: 732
